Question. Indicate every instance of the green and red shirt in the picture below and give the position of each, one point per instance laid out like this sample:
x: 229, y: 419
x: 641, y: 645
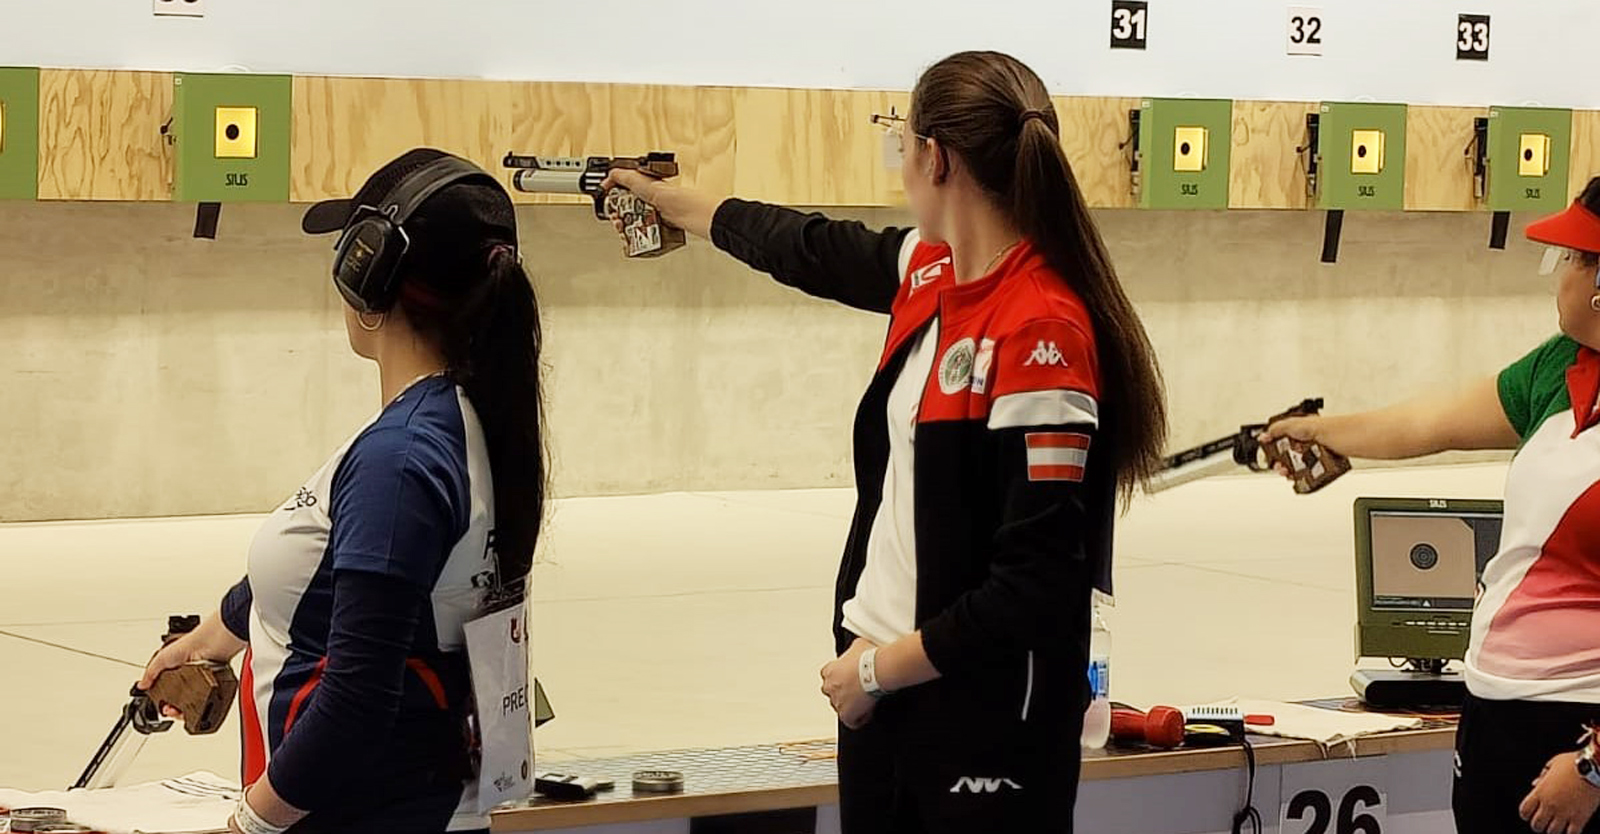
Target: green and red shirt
x: 1536, y: 627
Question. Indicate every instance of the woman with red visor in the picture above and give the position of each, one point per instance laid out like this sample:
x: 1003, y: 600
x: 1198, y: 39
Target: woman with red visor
x: 1525, y: 759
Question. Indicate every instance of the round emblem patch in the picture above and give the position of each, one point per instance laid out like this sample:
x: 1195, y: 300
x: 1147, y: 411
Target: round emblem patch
x: 955, y: 370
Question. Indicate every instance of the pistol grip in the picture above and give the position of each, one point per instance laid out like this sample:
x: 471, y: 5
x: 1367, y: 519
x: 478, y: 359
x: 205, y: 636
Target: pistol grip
x: 644, y: 233
x: 1311, y: 466
x: 202, y: 691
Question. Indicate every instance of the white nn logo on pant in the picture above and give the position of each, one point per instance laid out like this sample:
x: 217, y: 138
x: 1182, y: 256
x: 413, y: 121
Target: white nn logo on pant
x: 972, y: 784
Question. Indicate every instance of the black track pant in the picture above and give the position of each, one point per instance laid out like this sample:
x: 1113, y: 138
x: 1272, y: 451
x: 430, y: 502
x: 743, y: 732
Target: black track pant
x: 1501, y: 748
x: 963, y: 757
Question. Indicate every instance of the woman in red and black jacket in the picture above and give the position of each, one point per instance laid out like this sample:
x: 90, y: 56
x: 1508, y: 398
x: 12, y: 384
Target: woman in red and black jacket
x: 1017, y: 393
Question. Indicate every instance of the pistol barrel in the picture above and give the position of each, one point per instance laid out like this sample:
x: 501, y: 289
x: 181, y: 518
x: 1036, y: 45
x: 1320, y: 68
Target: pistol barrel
x: 539, y: 181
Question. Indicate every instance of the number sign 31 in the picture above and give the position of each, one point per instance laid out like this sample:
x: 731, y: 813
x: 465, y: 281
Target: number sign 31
x: 1130, y: 23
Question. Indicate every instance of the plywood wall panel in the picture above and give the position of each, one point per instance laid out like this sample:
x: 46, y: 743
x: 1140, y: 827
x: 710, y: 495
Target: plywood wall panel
x: 345, y: 128
x: 1267, y: 170
x: 1094, y: 133
x: 1438, y: 168
x: 100, y: 135
x: 1585, y: 149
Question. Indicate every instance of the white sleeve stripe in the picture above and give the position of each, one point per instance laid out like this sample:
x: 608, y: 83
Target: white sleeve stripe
x: 1058, y: 407
x: 1058, y: 457
x: 907, y: 247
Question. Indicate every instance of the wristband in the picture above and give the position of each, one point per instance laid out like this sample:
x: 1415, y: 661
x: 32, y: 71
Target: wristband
x: 251, y: 823
x: 869, y: 674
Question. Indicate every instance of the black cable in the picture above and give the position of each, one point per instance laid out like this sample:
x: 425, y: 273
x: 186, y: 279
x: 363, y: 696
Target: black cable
x: 1500, y: 226
x: 1332, y: 231
x: 1248, y: 815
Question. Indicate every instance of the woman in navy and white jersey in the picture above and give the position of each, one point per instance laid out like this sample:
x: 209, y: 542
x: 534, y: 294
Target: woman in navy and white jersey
x: 356, y: 695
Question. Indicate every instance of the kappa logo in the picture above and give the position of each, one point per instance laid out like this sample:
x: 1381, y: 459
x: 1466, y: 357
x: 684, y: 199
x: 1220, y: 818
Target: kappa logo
x: 1045, y: 355
x: 975, y: 784
x: 928, y: 274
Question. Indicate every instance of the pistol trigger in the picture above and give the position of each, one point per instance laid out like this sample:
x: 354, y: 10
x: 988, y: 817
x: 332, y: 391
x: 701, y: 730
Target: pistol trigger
x: 1247, y: 449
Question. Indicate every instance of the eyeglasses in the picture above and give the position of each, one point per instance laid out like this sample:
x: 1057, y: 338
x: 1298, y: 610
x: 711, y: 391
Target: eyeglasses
x: 1554, y: 258
x: 1557, y: 257
x: 896, y: 126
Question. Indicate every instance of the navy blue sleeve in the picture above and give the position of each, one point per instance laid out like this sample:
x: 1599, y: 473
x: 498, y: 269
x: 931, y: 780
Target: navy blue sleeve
x: 399, y: 504
x: 236, y: 609
x: 375, y: 619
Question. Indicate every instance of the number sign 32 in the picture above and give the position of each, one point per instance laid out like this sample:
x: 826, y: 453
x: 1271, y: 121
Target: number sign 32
x: 1305, y: 30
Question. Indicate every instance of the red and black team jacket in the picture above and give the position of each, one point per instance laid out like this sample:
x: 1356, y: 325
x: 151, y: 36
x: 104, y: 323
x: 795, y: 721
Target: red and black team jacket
x: 1013, y: 514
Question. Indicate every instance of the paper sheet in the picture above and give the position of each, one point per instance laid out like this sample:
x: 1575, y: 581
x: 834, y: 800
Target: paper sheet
x: 1325, y: 726
x: 199, y: 803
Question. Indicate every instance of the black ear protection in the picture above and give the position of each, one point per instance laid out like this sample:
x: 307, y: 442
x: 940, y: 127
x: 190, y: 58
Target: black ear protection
x: 367, y: 259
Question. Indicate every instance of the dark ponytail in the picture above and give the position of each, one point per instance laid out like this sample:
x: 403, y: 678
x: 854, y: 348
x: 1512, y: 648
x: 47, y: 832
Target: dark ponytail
x: 995, y: 114
x: 488, y: 330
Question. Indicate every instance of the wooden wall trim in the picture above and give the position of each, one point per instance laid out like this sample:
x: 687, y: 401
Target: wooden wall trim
x: 100, y: 138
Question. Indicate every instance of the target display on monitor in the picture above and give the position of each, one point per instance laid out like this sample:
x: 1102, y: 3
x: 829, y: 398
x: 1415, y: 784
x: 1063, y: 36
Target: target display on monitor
x: 1418, y: 564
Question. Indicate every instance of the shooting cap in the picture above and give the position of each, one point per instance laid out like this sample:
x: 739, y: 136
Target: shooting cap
x: 1577, y: 228
x: 478, y: 208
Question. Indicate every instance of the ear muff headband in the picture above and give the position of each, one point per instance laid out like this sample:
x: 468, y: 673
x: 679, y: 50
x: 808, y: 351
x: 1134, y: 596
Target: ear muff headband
x: 366, y: 266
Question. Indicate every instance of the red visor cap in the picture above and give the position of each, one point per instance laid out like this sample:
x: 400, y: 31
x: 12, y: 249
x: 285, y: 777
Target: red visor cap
x: 1576, y: 228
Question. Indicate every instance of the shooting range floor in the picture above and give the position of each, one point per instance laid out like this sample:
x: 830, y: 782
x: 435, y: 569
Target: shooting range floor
x: 693, y: 620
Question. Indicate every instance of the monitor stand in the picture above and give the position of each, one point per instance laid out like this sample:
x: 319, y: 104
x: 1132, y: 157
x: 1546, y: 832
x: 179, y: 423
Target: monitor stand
x: 1421, y: 684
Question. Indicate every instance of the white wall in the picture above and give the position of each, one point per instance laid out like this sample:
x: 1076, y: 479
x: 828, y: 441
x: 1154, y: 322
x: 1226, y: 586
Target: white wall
x: 1399, y: 50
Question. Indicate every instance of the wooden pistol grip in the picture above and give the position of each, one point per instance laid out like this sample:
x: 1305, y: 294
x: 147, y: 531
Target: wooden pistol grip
x: 1312, y: 466
x: 202, y: 691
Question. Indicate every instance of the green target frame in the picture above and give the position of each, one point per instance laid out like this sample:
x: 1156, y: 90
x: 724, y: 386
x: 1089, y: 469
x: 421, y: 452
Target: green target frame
x: 1186, y: 147
x: 19, y: 133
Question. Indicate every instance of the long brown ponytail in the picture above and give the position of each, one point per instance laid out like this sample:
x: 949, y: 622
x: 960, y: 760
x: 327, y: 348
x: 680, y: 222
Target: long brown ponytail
x: 995, y: 114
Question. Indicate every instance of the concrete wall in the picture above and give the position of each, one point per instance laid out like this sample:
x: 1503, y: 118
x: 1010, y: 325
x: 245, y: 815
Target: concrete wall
x: 148, y: 373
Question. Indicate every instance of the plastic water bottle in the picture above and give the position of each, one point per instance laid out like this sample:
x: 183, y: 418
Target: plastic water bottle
x: 1097, y: 720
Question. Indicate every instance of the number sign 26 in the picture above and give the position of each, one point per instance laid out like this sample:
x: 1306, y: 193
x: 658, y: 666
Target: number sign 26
x: 1337, y: 797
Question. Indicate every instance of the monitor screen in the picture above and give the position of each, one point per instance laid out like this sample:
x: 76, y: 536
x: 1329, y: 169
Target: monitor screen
x: 1418, y: 565
x: 1430, y: 561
